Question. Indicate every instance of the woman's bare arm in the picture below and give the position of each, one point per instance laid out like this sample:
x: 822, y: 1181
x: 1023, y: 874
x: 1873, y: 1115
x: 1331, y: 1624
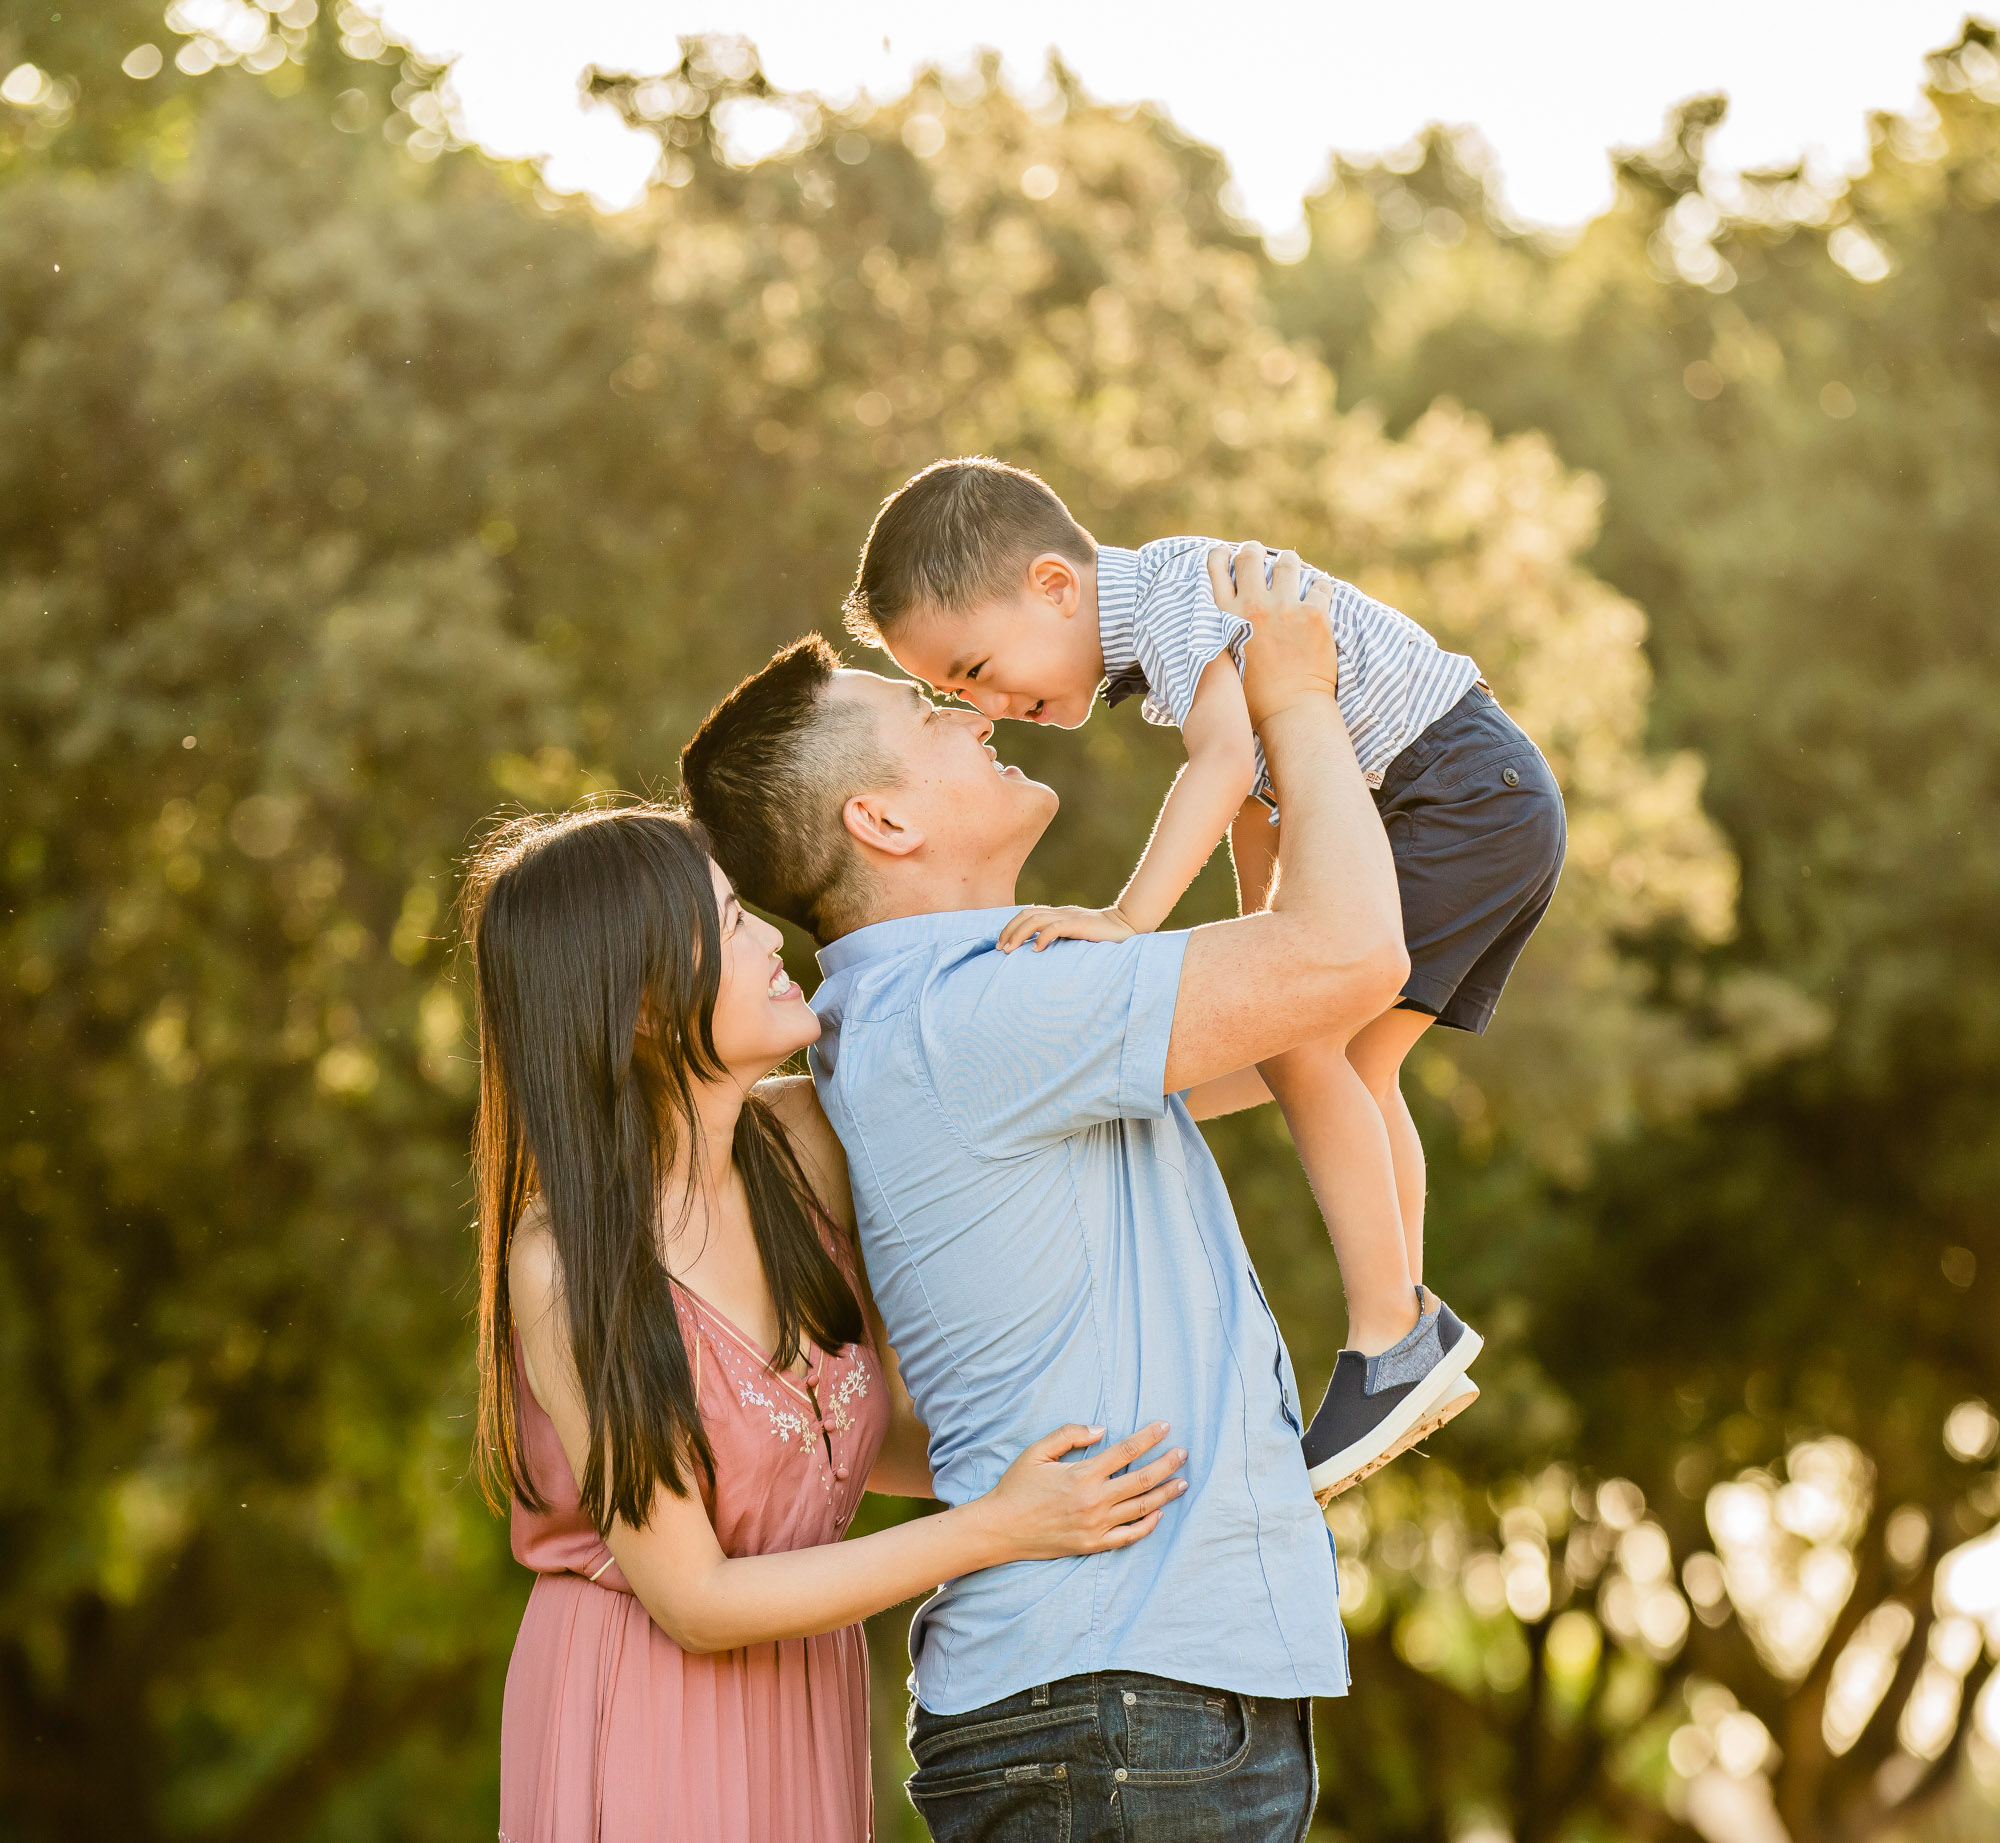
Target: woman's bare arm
x: 708, y: 1601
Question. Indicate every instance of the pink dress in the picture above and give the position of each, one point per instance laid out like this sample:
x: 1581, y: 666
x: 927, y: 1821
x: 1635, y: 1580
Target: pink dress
x: 610, y: 1732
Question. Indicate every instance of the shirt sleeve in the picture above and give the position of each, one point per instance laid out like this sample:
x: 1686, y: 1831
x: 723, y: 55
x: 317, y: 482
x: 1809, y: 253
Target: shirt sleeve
x: 1025, y: 1048
x: 1177, y: 630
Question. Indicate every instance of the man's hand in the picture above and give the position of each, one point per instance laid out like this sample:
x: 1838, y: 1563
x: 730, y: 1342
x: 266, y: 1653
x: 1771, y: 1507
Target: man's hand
x: 1064, y: 924
x: 1294, y: 656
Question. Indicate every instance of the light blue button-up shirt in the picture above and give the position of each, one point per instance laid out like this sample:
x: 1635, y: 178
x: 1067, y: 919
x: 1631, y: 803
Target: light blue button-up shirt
x: 1049, y: 1240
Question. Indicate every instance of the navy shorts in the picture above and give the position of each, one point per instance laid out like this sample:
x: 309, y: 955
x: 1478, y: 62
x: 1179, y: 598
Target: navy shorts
x: 1475, y: 823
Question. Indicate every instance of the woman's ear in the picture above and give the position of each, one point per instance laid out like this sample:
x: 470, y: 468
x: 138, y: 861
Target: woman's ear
x: 871, y: 821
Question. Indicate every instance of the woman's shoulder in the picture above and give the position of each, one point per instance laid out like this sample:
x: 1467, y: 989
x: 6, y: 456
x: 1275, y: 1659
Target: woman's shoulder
x: 534, y: 1270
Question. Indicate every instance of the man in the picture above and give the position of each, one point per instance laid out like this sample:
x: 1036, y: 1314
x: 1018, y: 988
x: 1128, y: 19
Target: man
x: 1046, y: 1233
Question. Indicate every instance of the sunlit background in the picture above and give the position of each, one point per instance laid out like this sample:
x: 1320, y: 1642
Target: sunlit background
x: 411, y: 412
x: 1550, y: 85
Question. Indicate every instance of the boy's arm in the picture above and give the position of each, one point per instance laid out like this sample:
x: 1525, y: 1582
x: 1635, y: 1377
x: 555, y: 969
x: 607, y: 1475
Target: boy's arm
x: 1221, y: 769
x: 1205, y: 796
x: 1253, y: 842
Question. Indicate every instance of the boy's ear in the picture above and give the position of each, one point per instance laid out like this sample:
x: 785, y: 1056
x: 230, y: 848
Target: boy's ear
x: 872, y: 822
x: 1053, y: 575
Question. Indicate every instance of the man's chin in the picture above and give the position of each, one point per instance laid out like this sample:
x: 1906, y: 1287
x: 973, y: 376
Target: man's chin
x: 1039, y: 803
x: 1033, y: 791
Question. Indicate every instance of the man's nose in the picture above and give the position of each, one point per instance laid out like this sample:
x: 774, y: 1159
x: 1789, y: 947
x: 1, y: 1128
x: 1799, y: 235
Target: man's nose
x: 979, y: 719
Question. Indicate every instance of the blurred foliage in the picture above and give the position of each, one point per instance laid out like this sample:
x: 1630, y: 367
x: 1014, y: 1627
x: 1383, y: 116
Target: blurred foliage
x: 351, y: 486
x: 1789, y: 393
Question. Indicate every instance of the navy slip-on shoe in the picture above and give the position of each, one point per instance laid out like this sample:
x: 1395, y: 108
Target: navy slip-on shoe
x: 1376, y: 1408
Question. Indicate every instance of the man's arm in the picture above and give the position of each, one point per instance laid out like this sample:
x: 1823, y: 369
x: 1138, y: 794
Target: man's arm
x: 1327, y: 955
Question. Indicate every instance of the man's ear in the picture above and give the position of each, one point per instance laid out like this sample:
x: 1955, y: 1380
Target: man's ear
x: 1054, y: 576
x: 873, y: 821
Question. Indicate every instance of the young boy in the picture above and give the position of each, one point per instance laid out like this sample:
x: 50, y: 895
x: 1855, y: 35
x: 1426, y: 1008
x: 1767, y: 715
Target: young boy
x: 976, y: 579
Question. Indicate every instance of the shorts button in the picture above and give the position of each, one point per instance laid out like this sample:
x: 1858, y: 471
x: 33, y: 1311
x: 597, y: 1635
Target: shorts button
x: 1128, y: 1699
x: 1120, y: 1775
x: 1512, y: 776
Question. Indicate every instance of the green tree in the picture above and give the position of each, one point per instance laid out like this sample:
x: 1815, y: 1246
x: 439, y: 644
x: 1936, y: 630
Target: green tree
x: 350, y: 485
x: 1789, y: 395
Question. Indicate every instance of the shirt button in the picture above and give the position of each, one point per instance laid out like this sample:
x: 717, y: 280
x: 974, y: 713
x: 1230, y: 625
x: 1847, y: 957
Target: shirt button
x: 840, y: 1471
x: 1512, y: 776
x: 1120, y: 1775
x: 1129, y: 1699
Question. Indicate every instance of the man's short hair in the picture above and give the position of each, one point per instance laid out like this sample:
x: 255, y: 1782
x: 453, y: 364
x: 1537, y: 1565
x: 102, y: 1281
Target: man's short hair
x: 767, y: 775
x: 957, y: 534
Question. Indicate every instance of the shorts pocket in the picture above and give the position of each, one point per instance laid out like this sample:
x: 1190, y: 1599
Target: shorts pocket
x: 1482, y: 765
x: 1182, y: 1735
x: 1028, y: 1803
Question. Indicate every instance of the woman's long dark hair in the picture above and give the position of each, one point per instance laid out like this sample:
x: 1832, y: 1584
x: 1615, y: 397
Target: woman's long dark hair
x: 579, y: 923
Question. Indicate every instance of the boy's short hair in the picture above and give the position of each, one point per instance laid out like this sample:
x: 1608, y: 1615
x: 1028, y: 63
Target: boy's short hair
x: 766, y: 777
x: 953, y: 536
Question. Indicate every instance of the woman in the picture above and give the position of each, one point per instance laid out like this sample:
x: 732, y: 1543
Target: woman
x: 684, y: 1386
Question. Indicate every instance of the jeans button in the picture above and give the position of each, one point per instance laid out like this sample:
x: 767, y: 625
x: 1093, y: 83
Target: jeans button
x: 1128, y: 1699
x: 1512, y: 776
x: 1119, y: 1775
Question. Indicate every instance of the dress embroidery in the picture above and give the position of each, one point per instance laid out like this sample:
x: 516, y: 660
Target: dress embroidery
x: 787, y: 1423
x: 799, y: 1423
x: 813, y: 1415
x: 851, y: 1387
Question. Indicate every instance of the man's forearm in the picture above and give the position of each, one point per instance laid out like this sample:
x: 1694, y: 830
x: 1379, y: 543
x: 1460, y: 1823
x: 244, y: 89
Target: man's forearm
x: 1327, y: 955
x: 1334, y: 863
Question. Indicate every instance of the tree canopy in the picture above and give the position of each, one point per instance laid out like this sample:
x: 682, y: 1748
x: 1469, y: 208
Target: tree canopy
x: 353, y: 487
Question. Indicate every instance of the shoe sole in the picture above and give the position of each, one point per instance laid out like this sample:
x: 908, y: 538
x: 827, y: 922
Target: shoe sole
x: 1457, y: 1405
x: 1449, y: 1392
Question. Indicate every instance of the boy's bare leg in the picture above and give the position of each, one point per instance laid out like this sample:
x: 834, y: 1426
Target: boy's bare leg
x: 1343, y: 1139
x: 1344, y: 1103
x: 1378, y: 1051
x: 1344, y: 1145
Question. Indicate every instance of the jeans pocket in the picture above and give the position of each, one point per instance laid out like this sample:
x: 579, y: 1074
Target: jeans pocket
x: 1029, y: 1803
x: 1184, y: 1734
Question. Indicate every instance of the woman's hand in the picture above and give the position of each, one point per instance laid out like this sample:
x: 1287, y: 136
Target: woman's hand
x: 1043, y: 1508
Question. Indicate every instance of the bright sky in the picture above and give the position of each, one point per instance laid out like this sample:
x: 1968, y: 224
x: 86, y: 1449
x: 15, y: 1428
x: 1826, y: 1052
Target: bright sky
x: 1552, y: 84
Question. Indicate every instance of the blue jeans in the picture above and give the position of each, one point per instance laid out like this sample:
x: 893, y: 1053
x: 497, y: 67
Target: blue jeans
x: 1119, y: 1755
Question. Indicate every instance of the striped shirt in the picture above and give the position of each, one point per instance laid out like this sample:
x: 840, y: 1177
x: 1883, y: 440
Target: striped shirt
x: 1160, y: 627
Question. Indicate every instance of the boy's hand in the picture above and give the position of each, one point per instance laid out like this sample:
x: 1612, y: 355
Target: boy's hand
x: 1064, y: 924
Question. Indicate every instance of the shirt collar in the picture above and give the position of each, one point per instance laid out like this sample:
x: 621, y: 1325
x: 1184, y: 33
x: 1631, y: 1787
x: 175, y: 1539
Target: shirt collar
x: 887, y: 939
x: 1117, y: 606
